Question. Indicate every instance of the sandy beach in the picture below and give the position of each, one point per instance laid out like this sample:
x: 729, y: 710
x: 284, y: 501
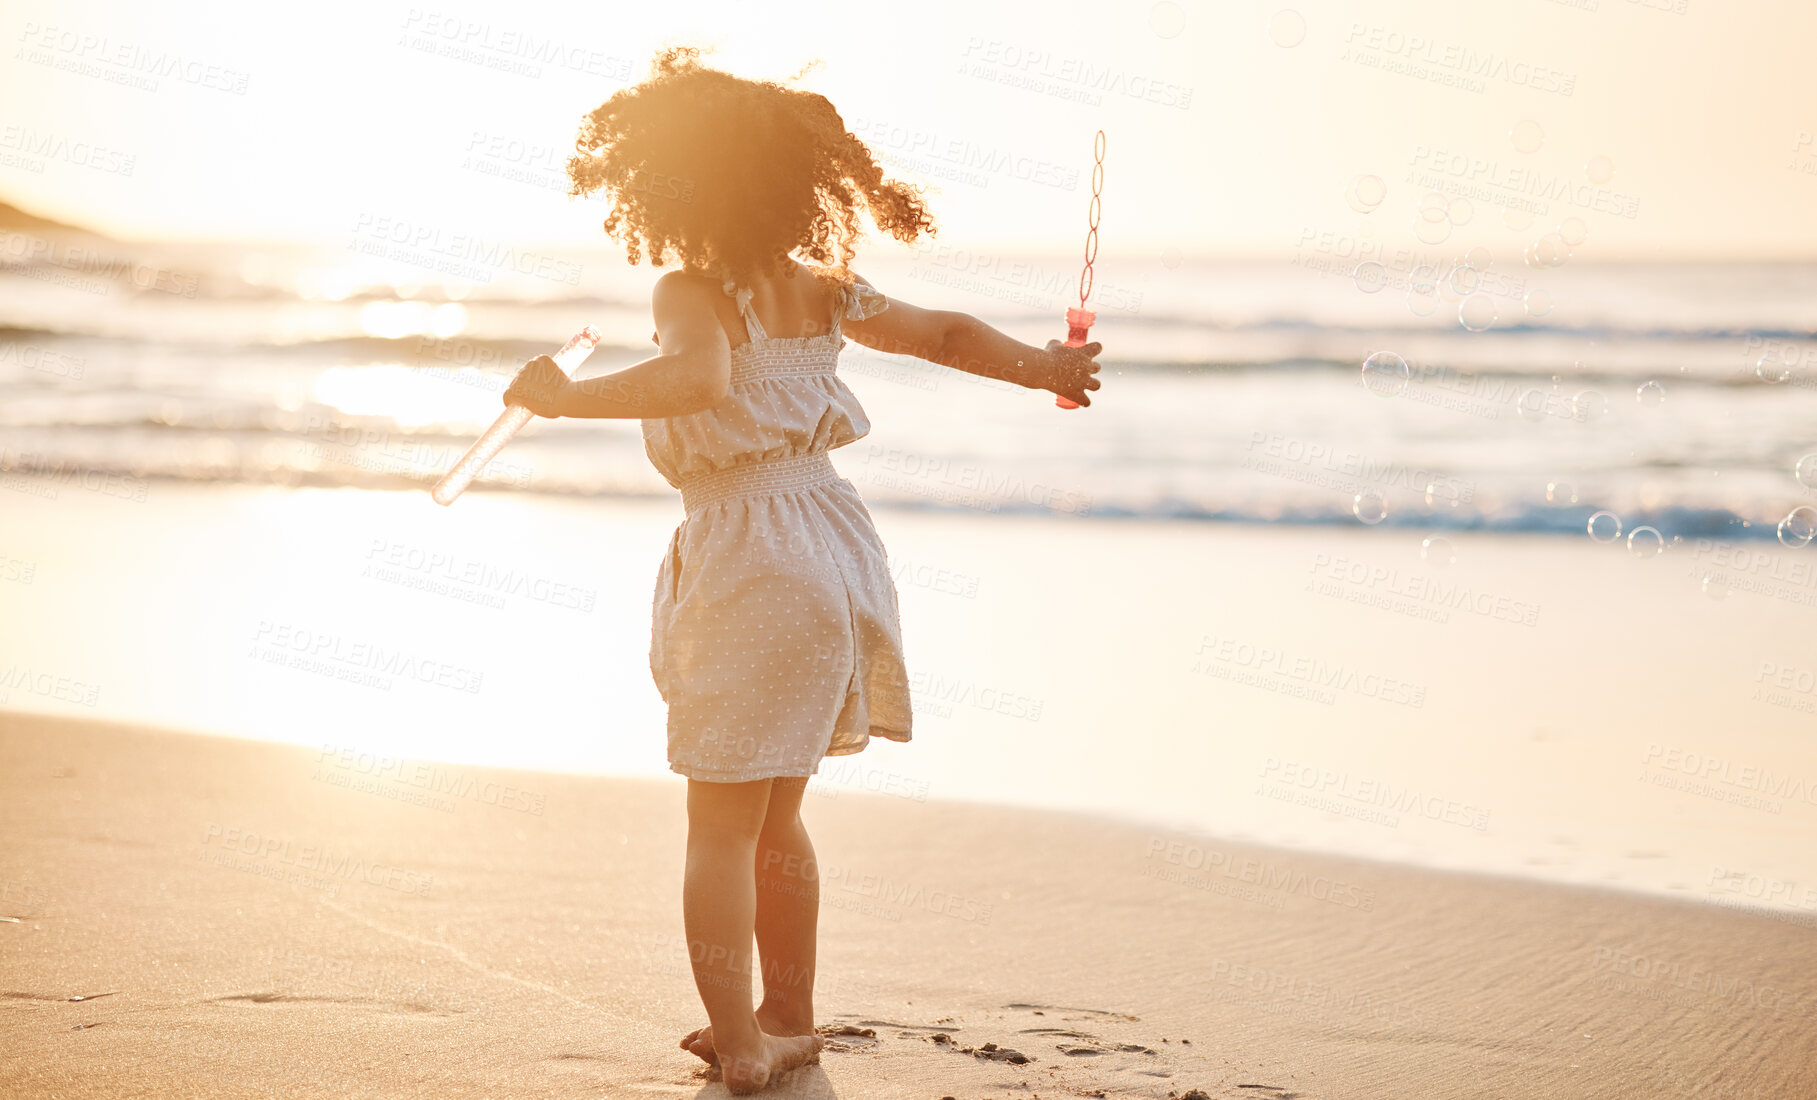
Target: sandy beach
x: 1397, y: 684
x: 1538, y: 707
x: 213, y: 917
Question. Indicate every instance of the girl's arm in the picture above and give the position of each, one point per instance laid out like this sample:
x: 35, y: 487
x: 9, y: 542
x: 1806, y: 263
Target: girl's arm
x: 965, y: 343
x: 694, y: 371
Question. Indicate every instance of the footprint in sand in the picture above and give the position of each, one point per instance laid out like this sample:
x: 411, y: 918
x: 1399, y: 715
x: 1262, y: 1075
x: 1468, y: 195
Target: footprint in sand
x: 367, y: 1002
x: 909, y: 1030
x: 991, y: 1052
x: 1086, y: 1046
x: 1042, y: 1010
x: 845, y: 1038
x: 1079, y: 1044
x: 862, y: 1035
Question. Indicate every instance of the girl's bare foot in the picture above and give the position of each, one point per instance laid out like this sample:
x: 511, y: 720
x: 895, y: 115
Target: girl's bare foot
x: 774, y: 1055
x: 699, y: 1042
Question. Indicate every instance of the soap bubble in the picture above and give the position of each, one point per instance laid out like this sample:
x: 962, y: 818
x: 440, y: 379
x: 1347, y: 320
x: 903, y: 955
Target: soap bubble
x: 1605, y: 526
x: 1549, y: 251
x: 1443, y: 494
x: 1561, y: 491
x: 1798, y: 527
x: 1716, y: 586
x: 1171, y: 257
x: 1527, y: 136
x: 1365, y: 193
x: 1432, y: 232
x: 1370, y: 276
x: 1589, y: 405
x: 1806, y: 471
x: 1460, y: 211
x: 1477, y: 313
x: 1478, y: 259
x: 1437, y: 550
x: 1600, y: 169
x: 1166, y: 19
x: 1287, y: 28
x: 1422, y: 291
x: 1433, y: 207
x: 1516, y: 218
x: 1370, y: 507
x: 1650, y: 395
x: 1645, y: 542
x: 1573, y: 231
x: 1385, y: 374
x: 1772, y: 368
x: 1538, y: 303
x: 1458, y: 282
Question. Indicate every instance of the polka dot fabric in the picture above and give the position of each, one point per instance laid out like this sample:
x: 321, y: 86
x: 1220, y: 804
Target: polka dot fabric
x: 775, y: 637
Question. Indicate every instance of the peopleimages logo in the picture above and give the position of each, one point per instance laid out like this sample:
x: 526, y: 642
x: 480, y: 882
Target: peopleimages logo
x: 1372, y: 791
x: 1727, y: 772
x: 1074, y: 78
x: 1214, y: 652
x: 370, y: 663
x: 426, y: 776
x: 281, y: 853
x: 33, y: 252
x: 465, y: 254
x: 1489, y: 177
x: 1258, y: 872
x: 119, y: 62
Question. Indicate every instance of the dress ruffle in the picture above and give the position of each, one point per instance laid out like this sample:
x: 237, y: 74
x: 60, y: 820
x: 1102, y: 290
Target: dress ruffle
x: 777, y: 413
x: 786, y: 399
x: 863, y: 302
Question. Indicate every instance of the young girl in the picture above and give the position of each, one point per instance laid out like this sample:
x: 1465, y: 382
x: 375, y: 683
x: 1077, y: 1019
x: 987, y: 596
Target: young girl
x: 776, y: 638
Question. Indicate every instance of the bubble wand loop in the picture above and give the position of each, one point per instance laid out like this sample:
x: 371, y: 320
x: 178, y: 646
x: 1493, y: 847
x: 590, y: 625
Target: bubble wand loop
x: 455, y: 482
x: 1079, y: 321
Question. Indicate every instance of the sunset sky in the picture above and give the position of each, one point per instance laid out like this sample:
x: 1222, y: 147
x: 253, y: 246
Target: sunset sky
x: 1233, y: 127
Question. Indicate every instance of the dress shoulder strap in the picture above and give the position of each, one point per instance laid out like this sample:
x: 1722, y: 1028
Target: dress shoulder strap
x: 742, y: 295
x: 855, y: 301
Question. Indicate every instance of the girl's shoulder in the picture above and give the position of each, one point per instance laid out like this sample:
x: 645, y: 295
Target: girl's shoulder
x: 853, y: 296
x: 833, y: 279
x: 686, y: 283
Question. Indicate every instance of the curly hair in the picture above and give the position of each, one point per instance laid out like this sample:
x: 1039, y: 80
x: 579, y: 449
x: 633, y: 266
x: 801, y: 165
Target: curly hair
x: 733, y: 175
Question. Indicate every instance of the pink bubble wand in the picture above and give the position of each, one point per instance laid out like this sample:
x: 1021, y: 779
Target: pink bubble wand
x: 455, y: 481
x: 1079, y: 321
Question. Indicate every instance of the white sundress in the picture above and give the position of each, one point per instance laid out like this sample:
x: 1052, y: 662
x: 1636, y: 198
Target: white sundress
x: 775, y: 637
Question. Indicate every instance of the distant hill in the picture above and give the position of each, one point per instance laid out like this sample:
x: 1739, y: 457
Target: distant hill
x: 11, y: 217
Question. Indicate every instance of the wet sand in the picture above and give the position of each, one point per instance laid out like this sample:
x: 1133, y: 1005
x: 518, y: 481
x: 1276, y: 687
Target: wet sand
x: 208, y: 916
x: 1541, y: 706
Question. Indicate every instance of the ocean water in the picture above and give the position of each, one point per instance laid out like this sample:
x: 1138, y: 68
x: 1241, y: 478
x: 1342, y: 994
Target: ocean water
x: 1677, y: 396
x: 1165, y: 608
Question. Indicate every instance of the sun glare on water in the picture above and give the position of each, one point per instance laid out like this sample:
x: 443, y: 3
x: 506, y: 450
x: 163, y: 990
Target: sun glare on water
x: 394, y: 320
x: 411, y: 397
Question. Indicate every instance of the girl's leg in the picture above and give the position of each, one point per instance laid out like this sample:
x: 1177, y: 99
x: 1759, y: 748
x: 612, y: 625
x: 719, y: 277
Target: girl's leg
x: 788, y: 912
x: 718, y: 899
x: 787, y: 920
x: 719, y: 910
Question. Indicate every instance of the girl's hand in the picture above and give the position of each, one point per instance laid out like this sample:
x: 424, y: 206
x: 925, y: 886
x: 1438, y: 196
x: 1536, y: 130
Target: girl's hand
x: 1071, y: 370
x: 538, y: 387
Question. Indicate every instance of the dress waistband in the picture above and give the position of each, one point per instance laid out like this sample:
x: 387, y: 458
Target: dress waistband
x: 775, y: 475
